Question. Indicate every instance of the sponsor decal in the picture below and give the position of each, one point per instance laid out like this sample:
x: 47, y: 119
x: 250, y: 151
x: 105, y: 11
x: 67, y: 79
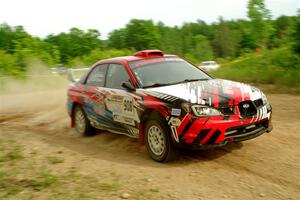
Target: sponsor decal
x: 156, y: 60
x: 149, y: 61
x: 122, y: 119
x: 174, y: 132
x: 123, y: 109
x: 176, y: 112
x: 128, y: 107
x: 175, y: 122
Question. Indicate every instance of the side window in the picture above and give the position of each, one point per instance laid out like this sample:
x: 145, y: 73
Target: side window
x: 116, y: 75
x: 97, y: 76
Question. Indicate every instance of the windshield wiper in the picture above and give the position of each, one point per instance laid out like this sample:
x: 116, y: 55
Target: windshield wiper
x: 191, y: 80
x: 156, y: 85
x: 165, y: 84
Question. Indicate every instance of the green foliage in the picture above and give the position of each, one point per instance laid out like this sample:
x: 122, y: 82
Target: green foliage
x: 75, y: 43
x: 55, y: 160
x: 141, y: 34
x: 283, y: 27
x: 170, y: 39
x: 257, y: 10
x: 17, y: 48
x: 11, y: 153
x: 43, y: 182
x: 279, y: 67
x: 296, y: 34
x: 7, y: 36
x: 202, y: 48
x: 223, y: 41
x: 8, y: 64
x: 260, y: 20
x: 138, y: 34
x: 97, y: 54
x: 117, y: 39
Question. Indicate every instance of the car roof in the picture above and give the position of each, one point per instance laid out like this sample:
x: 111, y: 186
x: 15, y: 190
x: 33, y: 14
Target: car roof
x: 135, y: 57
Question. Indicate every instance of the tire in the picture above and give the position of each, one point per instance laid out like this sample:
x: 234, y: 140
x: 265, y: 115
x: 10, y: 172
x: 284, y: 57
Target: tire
x: 82, y: 123
x: 158, y: 141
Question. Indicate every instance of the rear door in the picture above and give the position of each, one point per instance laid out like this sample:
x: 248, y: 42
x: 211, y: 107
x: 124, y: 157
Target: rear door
x: 94, y: 93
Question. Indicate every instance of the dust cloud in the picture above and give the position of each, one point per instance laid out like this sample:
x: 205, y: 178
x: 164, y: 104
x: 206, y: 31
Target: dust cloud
x: 39, y: 88
x: 40, y: 98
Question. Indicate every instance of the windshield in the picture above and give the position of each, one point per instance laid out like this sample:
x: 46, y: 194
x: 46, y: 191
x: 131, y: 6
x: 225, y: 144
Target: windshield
x: 165, y: 71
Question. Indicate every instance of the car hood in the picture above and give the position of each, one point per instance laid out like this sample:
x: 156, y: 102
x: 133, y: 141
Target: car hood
x: 213, y: 92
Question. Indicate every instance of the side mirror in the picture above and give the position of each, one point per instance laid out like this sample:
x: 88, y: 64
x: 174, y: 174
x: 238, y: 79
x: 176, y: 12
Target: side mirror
x: 128, y: 86
x: 70, y: 75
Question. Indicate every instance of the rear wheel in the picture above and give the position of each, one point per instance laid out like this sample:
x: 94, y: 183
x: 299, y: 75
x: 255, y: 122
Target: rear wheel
x: 82, y: 123
x: 158, y: 142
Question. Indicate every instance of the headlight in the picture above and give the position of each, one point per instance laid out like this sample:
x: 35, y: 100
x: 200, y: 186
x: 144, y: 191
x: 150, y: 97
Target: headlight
x: 199, y: 110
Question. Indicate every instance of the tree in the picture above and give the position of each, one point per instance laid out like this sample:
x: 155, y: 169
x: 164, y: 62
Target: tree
x: 117, y: 39
x: 7, y: 37
x: 296, y: 35
x: 260, y: 20
x: 283, y: 26
x: 223, y: 42
x: 141, y: 34
x: 8, y: 64
x: 170, y: 39
x: 75, y: 43
x: 202, y: 50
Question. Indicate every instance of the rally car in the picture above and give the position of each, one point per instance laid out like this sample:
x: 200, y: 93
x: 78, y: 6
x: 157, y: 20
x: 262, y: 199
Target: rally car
x: 166, y: 103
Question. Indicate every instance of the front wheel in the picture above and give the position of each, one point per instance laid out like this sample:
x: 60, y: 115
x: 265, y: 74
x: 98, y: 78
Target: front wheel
x: 82, y: 123
x: 158, y: 142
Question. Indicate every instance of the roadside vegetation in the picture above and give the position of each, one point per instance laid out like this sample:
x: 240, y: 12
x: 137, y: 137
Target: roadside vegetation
x: 275, y: 70
x: 259, y: 49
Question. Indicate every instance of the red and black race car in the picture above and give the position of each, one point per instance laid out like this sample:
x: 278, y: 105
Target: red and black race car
x: 166, y: 103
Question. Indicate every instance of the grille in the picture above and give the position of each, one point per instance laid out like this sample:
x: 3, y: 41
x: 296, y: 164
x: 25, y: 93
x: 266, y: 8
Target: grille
x: 247, y: 108
x: 246, y: 130
x: 258, y: 103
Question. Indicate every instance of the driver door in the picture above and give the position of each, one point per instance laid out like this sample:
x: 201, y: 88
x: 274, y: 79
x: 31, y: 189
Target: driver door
x: 119, y: 102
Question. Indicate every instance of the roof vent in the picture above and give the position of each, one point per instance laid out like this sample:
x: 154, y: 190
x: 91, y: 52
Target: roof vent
x: 149, y: 53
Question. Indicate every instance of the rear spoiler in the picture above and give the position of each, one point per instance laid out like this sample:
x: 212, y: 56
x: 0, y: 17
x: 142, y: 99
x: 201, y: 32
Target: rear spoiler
x: 71, y: 74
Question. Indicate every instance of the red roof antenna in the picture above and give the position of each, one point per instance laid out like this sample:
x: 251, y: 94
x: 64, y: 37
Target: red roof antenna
x: 149, y: 53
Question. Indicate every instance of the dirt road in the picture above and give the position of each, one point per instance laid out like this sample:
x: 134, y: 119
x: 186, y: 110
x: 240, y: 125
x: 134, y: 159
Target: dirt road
x: 108, y: 166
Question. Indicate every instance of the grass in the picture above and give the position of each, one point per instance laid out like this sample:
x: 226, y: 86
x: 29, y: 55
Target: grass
x: 10, y: 185
x: 279, y: 67
x: 55, y: 160
x: 9, y: 154
x: 30, y: 177
x: 154, y: 190
x: 43, y: 182
x: 26, y: 179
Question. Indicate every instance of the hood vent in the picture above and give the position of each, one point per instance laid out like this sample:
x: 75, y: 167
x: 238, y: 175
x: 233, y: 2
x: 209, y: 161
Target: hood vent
x: 149, y: 53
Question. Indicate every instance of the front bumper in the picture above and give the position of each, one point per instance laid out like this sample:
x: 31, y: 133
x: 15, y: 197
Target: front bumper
x: 242, y: 137
x: 216, y: 132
